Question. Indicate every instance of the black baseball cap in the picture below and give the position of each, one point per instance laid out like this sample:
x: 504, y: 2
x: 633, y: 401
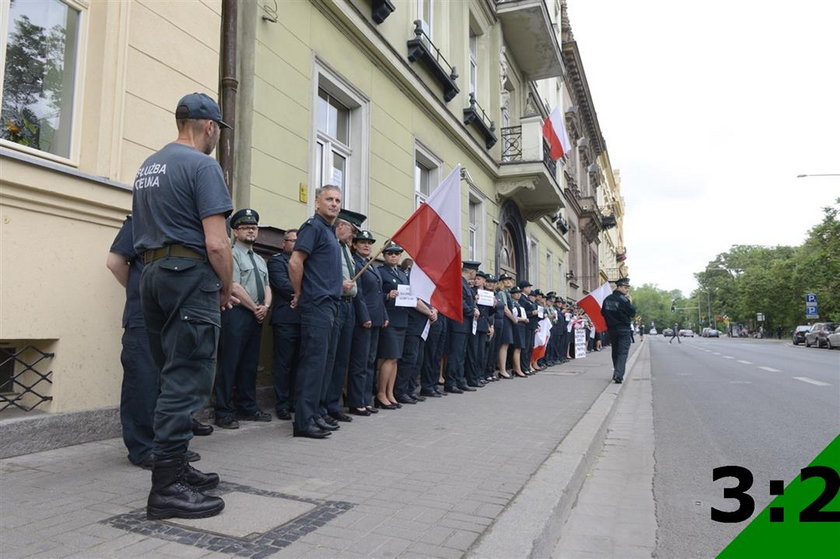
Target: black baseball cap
x: 199, y: 106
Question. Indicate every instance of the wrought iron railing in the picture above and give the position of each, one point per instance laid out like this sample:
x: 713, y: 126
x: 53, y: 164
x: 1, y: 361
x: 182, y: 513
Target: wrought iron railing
x: 422, y: 48
x: 474, y: 114
x: 21, y: 389
x: 550, y: 164
x: 511, y: 143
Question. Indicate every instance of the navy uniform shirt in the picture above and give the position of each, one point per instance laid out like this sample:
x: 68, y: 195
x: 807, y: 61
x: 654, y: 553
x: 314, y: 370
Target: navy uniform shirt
x: 370, y: 293
x: 618, y: 311
x: 124, y: 246
x: 391, y: 278
x: 322, y: 269
x: 174, y: 190
x: 485, y: 317
x: 467, y: 309
x: 281, y: 291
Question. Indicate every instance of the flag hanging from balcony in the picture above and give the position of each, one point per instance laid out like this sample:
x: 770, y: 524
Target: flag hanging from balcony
x: 592, y: 303
x: 432, y: 237
x: 554, y: 131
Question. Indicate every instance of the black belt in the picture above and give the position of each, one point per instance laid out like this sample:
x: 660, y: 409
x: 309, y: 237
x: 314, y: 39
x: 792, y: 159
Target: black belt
x: 179, y: 251
x: 346, y: 298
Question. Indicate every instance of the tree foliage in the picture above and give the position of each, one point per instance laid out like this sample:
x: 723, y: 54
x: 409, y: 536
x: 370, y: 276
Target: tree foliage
x: 747, y: 280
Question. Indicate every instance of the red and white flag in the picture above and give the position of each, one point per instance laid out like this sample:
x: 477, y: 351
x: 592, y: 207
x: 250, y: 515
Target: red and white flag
x: 432, y: 237
x: 592, y: 304
x: 554, y: 131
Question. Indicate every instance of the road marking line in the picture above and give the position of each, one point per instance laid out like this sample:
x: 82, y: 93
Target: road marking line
x: 771, y: 369
x: 812, y: 381
x: 744, y: 362
x: 728, y: 357
x: 715, y: 353
x: 740, y: 382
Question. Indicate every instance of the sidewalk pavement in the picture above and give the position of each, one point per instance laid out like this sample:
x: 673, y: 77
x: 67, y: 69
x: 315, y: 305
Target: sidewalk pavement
x: 430, y: 480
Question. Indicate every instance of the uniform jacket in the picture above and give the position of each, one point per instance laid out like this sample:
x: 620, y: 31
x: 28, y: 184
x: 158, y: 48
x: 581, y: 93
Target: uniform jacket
x: 618, y: 311
x: 391, y: 278
x: 281, y: 291
x: 370, y: 301
x: 485, y: 317
x: 468, y: 308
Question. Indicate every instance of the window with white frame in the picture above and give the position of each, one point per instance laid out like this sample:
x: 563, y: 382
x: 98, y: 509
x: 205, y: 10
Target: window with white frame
x: 39, y: 50
x: 476, y: 240
x: 424, y: 14
x: 533, y: 261
x: 426, y: 174
x: 473, y: 63
x: 341, y: 139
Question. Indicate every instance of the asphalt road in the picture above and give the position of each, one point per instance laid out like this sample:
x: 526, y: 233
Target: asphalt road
x: 765, y: 405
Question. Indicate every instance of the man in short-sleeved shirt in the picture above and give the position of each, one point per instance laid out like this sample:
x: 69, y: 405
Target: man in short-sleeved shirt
x: 179, y: 205
x: 315, y: 272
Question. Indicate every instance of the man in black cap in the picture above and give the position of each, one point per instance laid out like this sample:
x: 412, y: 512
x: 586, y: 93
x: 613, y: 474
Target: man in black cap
x: 239, y: 342
x: 460, y: 334
x: 619, y: 314
x: 477, y: 345
x: 179, y: 207
x: 346, y: 227
x: 285, y: 324
x: 315, y: 272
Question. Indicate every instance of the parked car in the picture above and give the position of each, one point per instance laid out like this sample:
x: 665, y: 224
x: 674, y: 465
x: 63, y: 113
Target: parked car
x: 668, y: 332
x: 710, y: 333
x: 686, y: 333
x: 818, y: 334
x: 834, y: 339
x: 799, y: 334
x: 653, y: 332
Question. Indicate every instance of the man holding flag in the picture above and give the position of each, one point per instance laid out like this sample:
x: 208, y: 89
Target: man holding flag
x: 619, y: 312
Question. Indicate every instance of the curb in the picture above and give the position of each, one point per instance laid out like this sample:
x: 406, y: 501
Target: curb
x: 530, y: 525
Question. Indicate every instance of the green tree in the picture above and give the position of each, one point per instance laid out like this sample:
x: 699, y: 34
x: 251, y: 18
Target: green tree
x: 654, y: 304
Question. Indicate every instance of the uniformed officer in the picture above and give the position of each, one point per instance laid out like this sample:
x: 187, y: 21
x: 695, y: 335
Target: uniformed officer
x: 392, y: 338
x: 411, y: 360
x: 460, y: 334
x: 619, y: 313
x: 477, y: 348
x: 315, y: 271
x: 239, y: 342
x: 179, y: 204
x: 370, y: 318
x: 285, y: 325
x: 527, y: 342
x: 347, y: 225
x: 505, y: 328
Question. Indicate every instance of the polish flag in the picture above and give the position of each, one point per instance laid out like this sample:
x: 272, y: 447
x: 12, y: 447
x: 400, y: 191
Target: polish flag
x: 554, y: 131
x: 592, y: 304
x: 432, y: 237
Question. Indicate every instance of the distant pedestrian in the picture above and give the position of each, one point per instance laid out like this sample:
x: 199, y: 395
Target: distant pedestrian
x: 675, y: 333
x: 618, y: 312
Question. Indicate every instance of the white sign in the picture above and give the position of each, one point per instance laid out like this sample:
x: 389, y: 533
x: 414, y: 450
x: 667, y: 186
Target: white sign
x: 426, y: 328
x: 580, y: 343
x: 475, y: 326
x: 540, y: 312
x: 485, y: 298
x: 404, y: 296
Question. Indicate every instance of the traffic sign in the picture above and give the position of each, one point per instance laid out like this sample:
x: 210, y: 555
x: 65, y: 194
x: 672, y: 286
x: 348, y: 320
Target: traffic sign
x: 812, y: 311
x: 811, y: 298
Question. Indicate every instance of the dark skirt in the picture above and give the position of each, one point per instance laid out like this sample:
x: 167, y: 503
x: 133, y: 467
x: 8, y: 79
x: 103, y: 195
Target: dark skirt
x: 519, y: 336
x: 505, y: 331
x: 391, y: 342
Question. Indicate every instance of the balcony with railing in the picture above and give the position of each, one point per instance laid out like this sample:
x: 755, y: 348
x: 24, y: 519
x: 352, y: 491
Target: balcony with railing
x: 527, y: 173
x: 422, y: 49
x: 476, y: 116
x: 529, y: 36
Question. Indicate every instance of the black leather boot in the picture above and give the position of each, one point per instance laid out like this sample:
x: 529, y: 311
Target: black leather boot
x: 200, y: 480
x: 172, y: 497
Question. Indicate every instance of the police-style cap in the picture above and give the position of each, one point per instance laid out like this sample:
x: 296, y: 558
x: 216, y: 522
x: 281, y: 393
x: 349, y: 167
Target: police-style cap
x: 525, y: 283
x: 515, y: 289
x: 622, y: 281
x: 471, y: 265
x: 199, y: 106
x: 364, y: 235
x: 504, y: 277
x: 536, y: 292
x: 353, y: 218
x: 480, y: 274
x: 392, y: 247
x: 245, y: 216
x: 551, y: 294
x: 491, y: 278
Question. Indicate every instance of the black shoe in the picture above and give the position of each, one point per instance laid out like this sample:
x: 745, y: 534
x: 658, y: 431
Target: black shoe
x: 330, y: 420
x: 341, y: 416
x: 417, y: 397
x: 359, y: 411
x: 467, y: 388
x: 324, y: 426
x: 618, y: 380
x: 200, y: 480
x: 397, y: 405
x: 173, y: 497
x: 441, y: 391
x: 146, y: 463
x: 258, y: 415
x: 311, y: 432
x: 453, y: 390
x: 380, y: 405
x: 371, y: 409
x: 227, y: 422
x: 201, y: 429
x: 284, y: 414
x: 192, y: 456
x: 429, y: 393
x: 403, y: 399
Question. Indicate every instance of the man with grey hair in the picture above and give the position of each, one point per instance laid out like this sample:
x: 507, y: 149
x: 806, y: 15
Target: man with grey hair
x: 315, y: 273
